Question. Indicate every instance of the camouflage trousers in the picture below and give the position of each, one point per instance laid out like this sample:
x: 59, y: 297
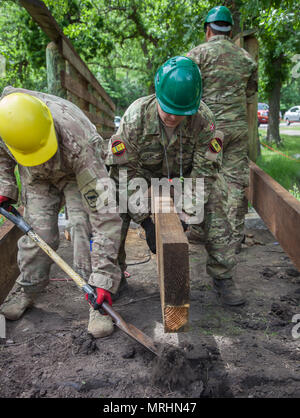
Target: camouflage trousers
x: 235, y: 169
x: 221, y: 259
x: 43, y: 202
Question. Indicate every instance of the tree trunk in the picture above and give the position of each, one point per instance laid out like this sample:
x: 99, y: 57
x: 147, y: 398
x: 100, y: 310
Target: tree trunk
x: 273, y: 134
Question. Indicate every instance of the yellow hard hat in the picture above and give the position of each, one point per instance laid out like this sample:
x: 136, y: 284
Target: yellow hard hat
x: 27, y: 128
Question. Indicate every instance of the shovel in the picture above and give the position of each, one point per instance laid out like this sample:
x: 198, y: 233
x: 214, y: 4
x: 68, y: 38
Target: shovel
x: 14, y: 216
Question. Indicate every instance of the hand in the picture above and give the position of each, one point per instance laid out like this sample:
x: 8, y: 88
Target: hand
x: 149, y: 228
x: 102, y: 295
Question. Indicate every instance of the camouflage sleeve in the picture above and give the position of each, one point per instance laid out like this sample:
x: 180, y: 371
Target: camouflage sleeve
x: 195, y: 55
x: 252, y: 84
x: 93, y: 181
x: 124, y: 162
x: 8, y: 185
x: 207, y: 157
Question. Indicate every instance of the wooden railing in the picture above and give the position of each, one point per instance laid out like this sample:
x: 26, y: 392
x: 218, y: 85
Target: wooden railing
x: 68, y: 75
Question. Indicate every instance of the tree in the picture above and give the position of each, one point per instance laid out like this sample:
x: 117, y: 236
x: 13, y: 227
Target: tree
x: 278, y: 26
x: 23, y: 45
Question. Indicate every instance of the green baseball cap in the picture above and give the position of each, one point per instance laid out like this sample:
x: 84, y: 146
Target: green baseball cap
x: 178, y: 86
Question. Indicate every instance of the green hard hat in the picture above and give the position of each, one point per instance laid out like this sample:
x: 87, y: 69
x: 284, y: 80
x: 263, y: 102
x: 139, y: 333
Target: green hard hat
x: 219, y: 14
x: 178, y: 86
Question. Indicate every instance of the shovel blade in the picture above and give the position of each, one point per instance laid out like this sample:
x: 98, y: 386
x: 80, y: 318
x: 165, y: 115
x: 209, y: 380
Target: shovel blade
x: 130, y: 329
x: 139, y: 336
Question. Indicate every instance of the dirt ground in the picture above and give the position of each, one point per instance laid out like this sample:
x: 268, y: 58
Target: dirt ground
x: 242, y: 352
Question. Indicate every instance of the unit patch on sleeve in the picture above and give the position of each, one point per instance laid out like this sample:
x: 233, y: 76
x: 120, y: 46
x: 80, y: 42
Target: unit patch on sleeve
x: 118, y: 148
x: 215, y: 145
x: 91, y: 197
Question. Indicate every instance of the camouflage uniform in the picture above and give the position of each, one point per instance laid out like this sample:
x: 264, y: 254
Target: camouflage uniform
x: 70, y: 176
x: 229, y: 77
x: 142, y: 137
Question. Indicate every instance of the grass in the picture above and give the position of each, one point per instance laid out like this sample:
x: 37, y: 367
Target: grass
x: 284, y: 170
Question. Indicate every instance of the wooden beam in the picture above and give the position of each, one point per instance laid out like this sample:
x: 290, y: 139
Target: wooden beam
x: 98, y: 119
x: 278, y: 209
x: 9, y: 235
x: 42, y: 16
x: 173, y: 265
x: 76, y: 88
x: 71, y: 55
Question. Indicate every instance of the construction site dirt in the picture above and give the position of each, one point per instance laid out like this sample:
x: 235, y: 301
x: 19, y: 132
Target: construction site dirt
x: 251, y: 351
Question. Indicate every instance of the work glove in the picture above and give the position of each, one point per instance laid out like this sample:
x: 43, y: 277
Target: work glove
x: 102, y: 295
x: 149, y: 228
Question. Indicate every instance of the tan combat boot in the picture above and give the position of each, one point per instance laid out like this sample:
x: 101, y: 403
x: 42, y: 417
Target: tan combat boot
x: 100, y: 325
x: 14, y: 308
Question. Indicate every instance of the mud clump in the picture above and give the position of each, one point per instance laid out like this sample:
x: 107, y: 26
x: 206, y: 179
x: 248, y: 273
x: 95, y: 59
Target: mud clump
x: 171, y: 369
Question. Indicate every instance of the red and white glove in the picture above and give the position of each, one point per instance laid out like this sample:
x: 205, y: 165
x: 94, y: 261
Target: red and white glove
x: 102, y: 295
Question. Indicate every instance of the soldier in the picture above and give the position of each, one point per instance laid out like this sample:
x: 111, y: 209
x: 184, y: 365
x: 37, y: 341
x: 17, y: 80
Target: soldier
x: 229, y: 83
x: 56, y: 148
x: 172, y: 134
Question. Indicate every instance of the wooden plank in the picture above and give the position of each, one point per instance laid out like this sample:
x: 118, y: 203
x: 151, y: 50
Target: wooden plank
x: 98, y: 119
x: 278, y: 209
x: 42, y: 16
x: 251, y: 45
x: 173, y: 266
x: 78, y: 89
x: 71, y: 55
x: 9, y: 235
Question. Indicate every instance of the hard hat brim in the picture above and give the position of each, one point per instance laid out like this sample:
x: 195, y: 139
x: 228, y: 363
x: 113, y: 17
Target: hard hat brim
x: 40, y: 156
x: 177, y: 112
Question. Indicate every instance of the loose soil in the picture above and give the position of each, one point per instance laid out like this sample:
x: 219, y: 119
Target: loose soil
x: 236, y: 352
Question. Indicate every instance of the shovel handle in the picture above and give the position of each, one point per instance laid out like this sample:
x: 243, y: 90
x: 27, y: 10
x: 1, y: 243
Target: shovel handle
x: 14, y: 216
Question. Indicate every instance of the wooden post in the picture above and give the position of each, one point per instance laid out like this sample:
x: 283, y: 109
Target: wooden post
x: 173, y: 265
x: 251, y: 45
x: 248, y: 41
x: 55, y: 64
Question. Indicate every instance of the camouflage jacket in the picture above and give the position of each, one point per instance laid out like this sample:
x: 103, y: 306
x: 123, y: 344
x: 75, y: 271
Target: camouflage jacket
x: 141, y: 147
x: 77, y: 160
x: 229, y: 77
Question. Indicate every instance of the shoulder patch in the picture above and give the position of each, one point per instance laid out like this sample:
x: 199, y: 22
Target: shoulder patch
x: 215, y: 145
x: 118, y: 147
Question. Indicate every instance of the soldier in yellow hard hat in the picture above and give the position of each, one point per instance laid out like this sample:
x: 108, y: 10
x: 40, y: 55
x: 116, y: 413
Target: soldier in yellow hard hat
x: 56, y: 148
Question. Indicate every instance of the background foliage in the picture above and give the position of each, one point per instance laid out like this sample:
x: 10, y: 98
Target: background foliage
x: 124, y: 41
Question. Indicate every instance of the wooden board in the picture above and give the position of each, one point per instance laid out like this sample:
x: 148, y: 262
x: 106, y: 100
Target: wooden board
x: 78, y: 89
x: 279, y: 210
x: 173, y: 266
x: 8, y: 258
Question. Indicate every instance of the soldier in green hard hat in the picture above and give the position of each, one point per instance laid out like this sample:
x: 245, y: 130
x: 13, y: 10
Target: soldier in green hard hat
x: 229, y: 76
x: 171, y: 134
